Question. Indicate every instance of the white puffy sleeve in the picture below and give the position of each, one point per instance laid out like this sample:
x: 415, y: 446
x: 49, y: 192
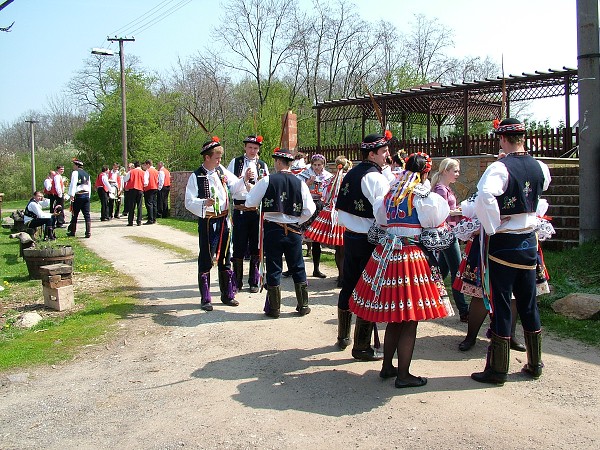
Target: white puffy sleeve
x: 433, y: 210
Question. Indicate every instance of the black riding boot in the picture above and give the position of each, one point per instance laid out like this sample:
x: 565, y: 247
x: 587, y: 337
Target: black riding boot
x: 362, y: 349
x: 302, y: 298
x: 533, y: 344
x: 273, y: 301
x: 496, y: 367
x: 238, y: 268
x: 344, y: 324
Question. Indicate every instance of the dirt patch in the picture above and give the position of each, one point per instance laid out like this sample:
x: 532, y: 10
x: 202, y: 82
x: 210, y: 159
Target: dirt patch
x: 179, y: 377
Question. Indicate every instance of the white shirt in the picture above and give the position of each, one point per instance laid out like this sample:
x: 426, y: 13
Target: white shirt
x: 373, y: 185
x: 197, y: 205
x: 493, y: 183
x: 105, y: 181
x: 48, y: 184
x: 74, y: 188
x: 251, y: 164
x: 257, y: 193
x: 36, y: 208
x: 58, y: 185
x: 161, y: 179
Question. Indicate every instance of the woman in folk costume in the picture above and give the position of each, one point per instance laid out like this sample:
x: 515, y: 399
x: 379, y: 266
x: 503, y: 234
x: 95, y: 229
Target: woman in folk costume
x: 468, y: 278
x: 401, y: 283
x: 325, y: 229
x: 316, y: 177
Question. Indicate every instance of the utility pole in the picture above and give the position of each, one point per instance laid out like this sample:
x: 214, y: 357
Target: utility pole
x: 123, y: 96
x: 588, y: 70
x: 32, y: 138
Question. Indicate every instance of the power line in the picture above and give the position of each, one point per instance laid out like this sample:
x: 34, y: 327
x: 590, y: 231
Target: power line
x: 150, y: 23
x: 140, y: 18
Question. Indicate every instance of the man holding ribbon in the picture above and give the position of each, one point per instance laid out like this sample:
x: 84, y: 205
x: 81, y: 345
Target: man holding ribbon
x: 207, y: 196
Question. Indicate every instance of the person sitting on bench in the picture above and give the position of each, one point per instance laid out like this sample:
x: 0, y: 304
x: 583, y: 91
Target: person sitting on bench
x: 34, y: 217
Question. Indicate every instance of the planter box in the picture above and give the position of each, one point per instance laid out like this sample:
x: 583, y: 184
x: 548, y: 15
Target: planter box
x: 38, y: 257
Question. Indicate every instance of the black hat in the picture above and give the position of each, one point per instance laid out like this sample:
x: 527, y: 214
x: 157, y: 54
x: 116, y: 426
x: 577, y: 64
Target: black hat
x: 253, y: 140
x: 77, y: 162
x: 283, y: 153
x: 509, y: 126
x: 213, y: 143
x: 375, y: 141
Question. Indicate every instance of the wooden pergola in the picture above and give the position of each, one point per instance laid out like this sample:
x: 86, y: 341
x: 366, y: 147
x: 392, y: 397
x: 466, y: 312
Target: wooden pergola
x: 457, y: 104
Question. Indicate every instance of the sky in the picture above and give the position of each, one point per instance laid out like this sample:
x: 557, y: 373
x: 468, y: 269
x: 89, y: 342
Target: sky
x: 50, y: 40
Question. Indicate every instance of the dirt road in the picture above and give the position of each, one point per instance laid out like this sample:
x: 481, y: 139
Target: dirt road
x: 178, y: 377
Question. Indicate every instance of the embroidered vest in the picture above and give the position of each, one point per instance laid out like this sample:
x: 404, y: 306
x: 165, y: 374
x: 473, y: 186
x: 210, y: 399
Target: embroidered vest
x: 398, y: 216
x: 28, y: 212
x: 202, y: 180
x: 283, y: 195
x: 525, y: 185
x: 238, y: 166
x: 350, y: 197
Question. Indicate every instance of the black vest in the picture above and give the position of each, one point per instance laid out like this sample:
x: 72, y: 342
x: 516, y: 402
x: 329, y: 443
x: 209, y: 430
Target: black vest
x: 350, y: 197
x: 83, y: 177
x: 238, y: 166
x: 28, y: 212
x: 202, y: 181
x: 283, y: 194
x: 525, y: 185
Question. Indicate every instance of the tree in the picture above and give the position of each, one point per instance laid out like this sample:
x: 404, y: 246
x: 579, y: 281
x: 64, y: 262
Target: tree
x: 260, y: 35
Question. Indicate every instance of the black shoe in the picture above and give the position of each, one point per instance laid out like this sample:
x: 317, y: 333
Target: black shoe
x: 254, y: 289
x: 388, y: 373
x: 464, y: 318
x: 466, y: 345
x: 366, y: 355
x: 129, y: 224
x: 232, y: 302
x: 416, y: 382
x: 148, y: 223
x: 70, y: 234
x: 319, y: 274
x: 516, y: 345
x: 303, y: 311
x: 88, y: 235
x: 206, y: 306
x: 139, y: 224
x: 286, y: 274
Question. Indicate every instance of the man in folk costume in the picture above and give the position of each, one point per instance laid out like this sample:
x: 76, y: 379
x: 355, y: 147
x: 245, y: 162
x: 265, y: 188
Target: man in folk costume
x: 103, y: 188
x: 57, y: 195
x: 507, y: 197
x: 286, y: 203
x: 80, y: 189
x: 35, y: 217
x: 164, y: 187
x: 207, y: 196
x: 150, y: 191
x: 246, y: 220
x: 134, y: 187
x: 114, y: 200
x: 361, y: 186
x: 48, y: 184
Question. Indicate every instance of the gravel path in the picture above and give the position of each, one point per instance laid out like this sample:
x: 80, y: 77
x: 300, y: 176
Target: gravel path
x: 178, y: 377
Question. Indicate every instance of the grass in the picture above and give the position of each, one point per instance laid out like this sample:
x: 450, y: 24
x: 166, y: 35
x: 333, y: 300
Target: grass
x: 184, y: 253
x: 102, y: 297
x: 574, y: 270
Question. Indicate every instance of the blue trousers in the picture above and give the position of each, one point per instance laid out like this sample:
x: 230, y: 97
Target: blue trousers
x: 276, y: 243
x: 211, y: 232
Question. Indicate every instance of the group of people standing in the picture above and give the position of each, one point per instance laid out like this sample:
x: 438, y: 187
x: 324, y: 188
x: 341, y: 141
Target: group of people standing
x: 392, y: 235
x: 140, y: 181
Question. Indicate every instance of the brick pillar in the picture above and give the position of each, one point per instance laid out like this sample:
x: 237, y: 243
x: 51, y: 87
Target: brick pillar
x: 289, y: 122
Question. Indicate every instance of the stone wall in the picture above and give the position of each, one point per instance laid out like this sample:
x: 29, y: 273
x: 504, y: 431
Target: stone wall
x: 178, y: 183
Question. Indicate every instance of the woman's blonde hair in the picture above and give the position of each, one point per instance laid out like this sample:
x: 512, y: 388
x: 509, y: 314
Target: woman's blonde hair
x: 344, y: 162
x: 445, y: 165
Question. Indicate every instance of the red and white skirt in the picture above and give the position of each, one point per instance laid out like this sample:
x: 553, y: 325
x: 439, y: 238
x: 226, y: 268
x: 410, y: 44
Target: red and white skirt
x: 325, y: 230
x: 401, y: 282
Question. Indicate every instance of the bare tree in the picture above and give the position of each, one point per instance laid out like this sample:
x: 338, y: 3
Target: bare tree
x: 261, y: 37
x: 426, y: 47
